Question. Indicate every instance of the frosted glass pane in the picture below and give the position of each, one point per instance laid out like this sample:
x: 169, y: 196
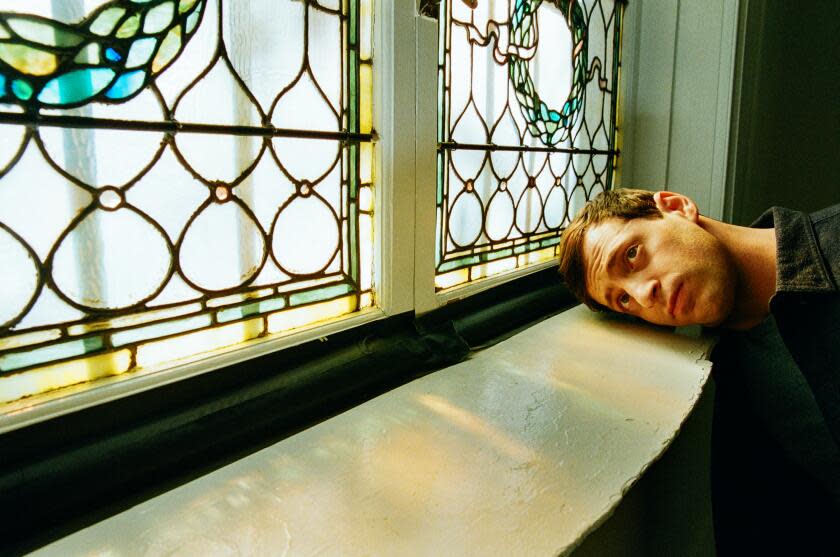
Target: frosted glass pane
x: 193, y: 163
x: 265, y: 64
x: 526, y: 95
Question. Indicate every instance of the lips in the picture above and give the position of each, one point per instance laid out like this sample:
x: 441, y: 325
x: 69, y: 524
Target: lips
x: 672, y: 302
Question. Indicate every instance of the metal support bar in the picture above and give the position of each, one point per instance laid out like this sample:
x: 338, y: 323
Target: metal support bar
x: 452, y: 146
x: 173, y: 126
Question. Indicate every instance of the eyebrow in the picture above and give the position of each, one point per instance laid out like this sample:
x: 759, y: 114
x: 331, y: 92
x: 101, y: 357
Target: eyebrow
x: 610, y: 294
x: 613, y: 256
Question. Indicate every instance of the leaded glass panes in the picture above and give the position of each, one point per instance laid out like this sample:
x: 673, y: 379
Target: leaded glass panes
x: 526, y: 127
x: 176, y: 177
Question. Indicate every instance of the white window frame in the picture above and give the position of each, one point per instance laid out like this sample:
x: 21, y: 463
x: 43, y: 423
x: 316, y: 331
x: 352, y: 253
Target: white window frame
x: 404, y: 119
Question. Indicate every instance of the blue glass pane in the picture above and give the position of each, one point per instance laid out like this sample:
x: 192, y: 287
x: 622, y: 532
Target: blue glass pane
x: 127, y: 85
x: 112, y: 55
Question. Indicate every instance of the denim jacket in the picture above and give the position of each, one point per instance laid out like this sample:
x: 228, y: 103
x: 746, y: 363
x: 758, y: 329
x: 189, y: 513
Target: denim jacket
x: 806, y: 305
x: 775, y: 451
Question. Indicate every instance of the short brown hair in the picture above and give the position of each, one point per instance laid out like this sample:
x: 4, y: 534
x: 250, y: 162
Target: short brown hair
x: 620, y: 203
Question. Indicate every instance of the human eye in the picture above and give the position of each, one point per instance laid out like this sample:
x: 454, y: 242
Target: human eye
x: 624, y: 300
x: 632, y: 252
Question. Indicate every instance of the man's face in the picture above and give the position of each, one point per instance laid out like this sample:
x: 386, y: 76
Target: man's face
x: 668, y: 271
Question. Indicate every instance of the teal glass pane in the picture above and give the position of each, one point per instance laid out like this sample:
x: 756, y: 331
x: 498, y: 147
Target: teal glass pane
x: 22, y: 89
x: 76, y: 86
x: 247, y: 310
x: 17, y: 360
x: 51, y: 55
x: 320, y: 294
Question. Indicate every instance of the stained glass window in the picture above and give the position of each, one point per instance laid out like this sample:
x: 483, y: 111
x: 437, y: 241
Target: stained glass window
x: 177, y: 177
x: 526, y: 127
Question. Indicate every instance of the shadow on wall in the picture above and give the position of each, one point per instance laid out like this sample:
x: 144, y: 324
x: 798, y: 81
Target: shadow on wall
x: 669, y: 510
x: 789, y: 118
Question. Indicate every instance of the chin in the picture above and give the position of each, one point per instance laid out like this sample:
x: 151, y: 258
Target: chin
x: 715, y: 316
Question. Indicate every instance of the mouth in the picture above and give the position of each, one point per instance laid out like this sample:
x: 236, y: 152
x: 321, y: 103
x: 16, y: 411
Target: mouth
x: 672, y: 302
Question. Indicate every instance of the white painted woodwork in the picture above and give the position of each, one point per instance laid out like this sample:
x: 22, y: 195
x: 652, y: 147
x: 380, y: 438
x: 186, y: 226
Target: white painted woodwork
x: 521, y: 450
x: 678, y: 68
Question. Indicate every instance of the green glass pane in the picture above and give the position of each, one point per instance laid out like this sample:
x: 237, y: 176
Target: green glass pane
x: 90, y: 54
x: 160, y: 330
x: 129, y: 28
x: 22, y: 89
x: 106, y: 21
x: 2, y: 85
x: 159, y: 18
x: 440, y: 178
x: 17, y: 360
x: 458, y: 263
x: 76, y: 86
x: 27, y: 59
x: 493, y: 255
x: 168, y: 50
x: 319, y: 294
x: 140, y: 52
x: 256, y: 308
x: 354, y: 24
x: 549, y: 242
x: 354, y: 91
x: 185, y: 5
x: 43, y: 32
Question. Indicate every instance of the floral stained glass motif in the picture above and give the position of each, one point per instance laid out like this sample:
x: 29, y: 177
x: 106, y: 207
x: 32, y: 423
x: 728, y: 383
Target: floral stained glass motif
x: 526, y: 127
x: 109, y: 56
x: 177, y: 177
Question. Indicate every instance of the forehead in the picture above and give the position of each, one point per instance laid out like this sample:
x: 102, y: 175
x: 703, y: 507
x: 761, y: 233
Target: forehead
x: 599, y: 242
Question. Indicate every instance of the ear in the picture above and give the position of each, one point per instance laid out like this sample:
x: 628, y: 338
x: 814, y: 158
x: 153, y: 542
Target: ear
x: 673, y: 202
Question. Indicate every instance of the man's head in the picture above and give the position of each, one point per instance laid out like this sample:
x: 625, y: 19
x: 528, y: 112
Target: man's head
x: 647, y: 254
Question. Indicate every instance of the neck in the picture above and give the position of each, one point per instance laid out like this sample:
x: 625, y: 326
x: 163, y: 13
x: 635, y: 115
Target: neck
x: 753, y: 254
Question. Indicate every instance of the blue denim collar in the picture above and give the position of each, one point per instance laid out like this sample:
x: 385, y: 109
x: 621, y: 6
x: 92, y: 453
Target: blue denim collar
x: 799, y: 264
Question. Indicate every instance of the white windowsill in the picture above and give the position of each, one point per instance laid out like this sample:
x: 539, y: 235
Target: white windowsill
x: 521, y: 450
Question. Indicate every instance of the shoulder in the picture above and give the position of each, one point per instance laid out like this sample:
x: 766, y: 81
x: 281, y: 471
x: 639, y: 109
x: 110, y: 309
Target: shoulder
x: 828, y: 215
x: 826, y: 224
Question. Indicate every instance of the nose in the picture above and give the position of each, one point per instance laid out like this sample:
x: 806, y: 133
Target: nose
x: 644, y: 291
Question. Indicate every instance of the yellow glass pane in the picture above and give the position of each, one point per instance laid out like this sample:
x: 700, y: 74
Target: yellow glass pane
x: 307, y: 315
x: 25, y: 339
x: 27, y: 59
x: 134, y: 319
x: 365, y: 29
x: 536, y: 256
x: 453, y: 278
x: 366, y: 162
x: 365, y: 198
x: 236, y: 298
x: 493, y: 268
x: 48, y: 378
x: 365, y: 96
x: 307, y: 284
x: 366, y: 251
x: 192, y: 344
